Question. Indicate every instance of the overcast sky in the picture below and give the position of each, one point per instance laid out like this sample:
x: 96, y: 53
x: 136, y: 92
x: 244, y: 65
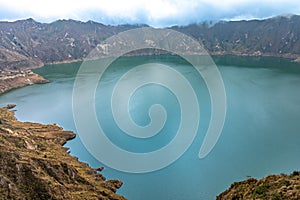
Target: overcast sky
x: 158, y: 13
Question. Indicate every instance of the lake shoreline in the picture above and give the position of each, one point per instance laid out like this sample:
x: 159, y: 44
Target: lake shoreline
x: 13, y: 79
x: 17, y: 82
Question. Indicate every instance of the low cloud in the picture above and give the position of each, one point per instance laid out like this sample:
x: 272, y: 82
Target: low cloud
x: 158, y: 13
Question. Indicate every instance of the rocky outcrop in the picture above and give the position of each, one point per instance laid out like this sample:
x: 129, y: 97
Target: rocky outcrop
x: 277, y: 187
x: 35, y: 165
x: 10, y: 79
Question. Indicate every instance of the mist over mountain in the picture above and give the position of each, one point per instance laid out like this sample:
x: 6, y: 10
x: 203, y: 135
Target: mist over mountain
x: 277, y: 36
x: 27, y: 43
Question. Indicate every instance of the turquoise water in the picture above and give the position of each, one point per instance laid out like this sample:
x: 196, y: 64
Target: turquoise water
x: 261, y: 133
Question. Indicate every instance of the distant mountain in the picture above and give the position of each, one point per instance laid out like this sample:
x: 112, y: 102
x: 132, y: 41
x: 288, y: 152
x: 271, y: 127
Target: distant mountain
x: 55, y: 42
x: 27, y: 43
x: 278, y: 36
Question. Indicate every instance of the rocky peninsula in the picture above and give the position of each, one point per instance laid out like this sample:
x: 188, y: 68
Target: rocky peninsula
x: 11, y: 79
x: 35, y: 165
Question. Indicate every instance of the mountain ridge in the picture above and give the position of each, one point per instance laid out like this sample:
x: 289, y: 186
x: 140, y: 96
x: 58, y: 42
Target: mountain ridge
x: 278, y: 36
x: 33, y: 44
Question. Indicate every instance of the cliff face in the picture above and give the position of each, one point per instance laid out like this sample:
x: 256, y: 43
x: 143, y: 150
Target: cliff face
x: 34, y: 165
x: 277, y: 187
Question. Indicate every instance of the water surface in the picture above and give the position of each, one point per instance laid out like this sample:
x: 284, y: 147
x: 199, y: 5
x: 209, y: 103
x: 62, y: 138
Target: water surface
x: 260, y: 136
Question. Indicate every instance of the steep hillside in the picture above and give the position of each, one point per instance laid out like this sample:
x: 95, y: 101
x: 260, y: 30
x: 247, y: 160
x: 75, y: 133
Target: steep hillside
x: 55, y: 42
x: 279, y: 36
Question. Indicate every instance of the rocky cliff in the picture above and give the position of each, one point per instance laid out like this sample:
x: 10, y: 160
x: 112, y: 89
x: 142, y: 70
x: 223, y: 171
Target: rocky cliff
x: 35, y: 165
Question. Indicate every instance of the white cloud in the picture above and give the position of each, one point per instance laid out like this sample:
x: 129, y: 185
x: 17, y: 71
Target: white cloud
x: 153, y: 12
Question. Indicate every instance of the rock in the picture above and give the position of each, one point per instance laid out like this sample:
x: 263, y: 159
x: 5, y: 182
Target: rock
x: 113, y: 185
x: 99, y: 169
x: 10, y: 106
